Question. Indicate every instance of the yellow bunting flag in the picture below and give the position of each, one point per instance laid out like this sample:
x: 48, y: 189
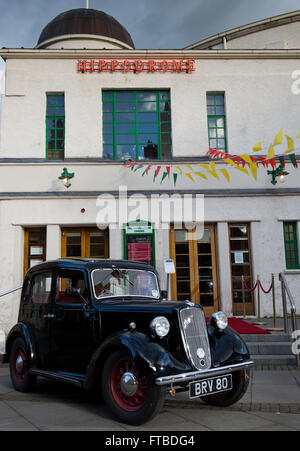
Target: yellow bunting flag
x: 271, y: 153
x: 246, y: 158
x: 205, y: 166
x: 257, y: 147
x: 291, y: 144
x: 244, y: 170
x: 229, y: 161
x: 190, y: 167
x: 278, y: 138
x: 298, y: 136
x: 201, y: 175
x: 213, y: 171
x: 226, y: 175
x: 179, y: 169
x: 190, y: 177
x: 253, y: 168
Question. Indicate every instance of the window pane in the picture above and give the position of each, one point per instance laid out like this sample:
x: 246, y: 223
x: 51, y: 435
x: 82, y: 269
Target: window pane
x: 147, y: 96
x: 125, y: 128
x: 147, y: 138
x: 126, y: 139
x: 107, y: 96
x: 147, y: 106
x: 107, y: 128
x: 147, y: 128
x: 107, y: 139
x: 125, y: 96
x: 108, y: 152
x: 126, y: 152
x: 60, y: 100
x: 147, y: 117
x: 148, y: 152
x: 125, y: 117
x: 125, y: 106
x: 107, y: 107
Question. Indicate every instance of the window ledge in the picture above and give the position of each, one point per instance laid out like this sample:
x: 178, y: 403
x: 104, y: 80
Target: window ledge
x: 291, y: 271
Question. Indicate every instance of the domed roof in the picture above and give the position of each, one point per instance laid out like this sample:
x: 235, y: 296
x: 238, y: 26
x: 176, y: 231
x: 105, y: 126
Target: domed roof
x: 85, y: 21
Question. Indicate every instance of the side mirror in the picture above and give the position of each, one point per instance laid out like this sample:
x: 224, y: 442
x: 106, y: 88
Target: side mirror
x: 164, y: 294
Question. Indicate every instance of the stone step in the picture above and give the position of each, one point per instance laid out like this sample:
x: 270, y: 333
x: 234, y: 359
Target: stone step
x: 283, y: 360
x: 265, y: 338
x: 266, y: 348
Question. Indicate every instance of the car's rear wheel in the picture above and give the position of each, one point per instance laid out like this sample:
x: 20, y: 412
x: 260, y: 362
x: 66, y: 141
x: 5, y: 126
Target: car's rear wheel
x: 129, y: 390
x: 240, y: 382
x: 19, y: 366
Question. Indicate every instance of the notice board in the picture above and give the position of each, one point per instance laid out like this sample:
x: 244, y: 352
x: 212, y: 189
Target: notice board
x: 139, y: 242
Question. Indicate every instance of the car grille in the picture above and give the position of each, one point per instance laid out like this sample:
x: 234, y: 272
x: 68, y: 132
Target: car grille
x: 195, y: 337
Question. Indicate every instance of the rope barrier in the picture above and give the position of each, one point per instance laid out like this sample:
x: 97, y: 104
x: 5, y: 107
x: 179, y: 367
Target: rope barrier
x: 250, y: 290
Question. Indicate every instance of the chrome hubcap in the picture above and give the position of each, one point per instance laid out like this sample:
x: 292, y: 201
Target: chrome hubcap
x: 19, y: 364
x: 129, y: 384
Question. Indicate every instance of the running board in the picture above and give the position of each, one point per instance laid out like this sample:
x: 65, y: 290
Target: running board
x: 59, y: 376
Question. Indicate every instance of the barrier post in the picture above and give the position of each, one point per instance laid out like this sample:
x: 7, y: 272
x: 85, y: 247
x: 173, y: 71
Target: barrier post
x: 258, y: 322
x: 274, y: 328
x: 243, y: 294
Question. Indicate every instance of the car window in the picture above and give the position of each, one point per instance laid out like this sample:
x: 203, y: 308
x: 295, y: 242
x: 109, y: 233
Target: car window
x: 109, y: 282
x: 70, y: 287
x: 41, y: 288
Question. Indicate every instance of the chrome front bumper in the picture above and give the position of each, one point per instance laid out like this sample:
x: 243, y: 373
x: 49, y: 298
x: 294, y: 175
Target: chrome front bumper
x: 196, y: 375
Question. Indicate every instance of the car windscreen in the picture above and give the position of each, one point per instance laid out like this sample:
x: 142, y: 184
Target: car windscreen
x: 111, y: 282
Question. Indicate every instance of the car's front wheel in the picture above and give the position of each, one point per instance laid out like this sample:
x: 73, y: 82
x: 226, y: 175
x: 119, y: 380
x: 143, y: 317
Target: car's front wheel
x: 18, y: 363
x: 240, y: 382
x: 129, y: 390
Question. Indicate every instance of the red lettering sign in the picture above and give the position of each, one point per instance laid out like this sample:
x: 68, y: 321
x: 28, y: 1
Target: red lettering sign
x: 137, y: 65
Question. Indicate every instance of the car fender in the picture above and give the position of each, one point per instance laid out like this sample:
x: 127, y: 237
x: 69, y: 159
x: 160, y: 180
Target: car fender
x: 149, y: 353
x: 24, y: 331
x: 227, y: 347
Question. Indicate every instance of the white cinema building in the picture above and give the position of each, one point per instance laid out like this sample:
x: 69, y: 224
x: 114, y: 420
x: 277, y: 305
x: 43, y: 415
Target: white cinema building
x: 84, y: 101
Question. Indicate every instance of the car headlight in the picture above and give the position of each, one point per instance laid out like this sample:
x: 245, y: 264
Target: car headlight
x: 219, y: 320
x: 160, y: 326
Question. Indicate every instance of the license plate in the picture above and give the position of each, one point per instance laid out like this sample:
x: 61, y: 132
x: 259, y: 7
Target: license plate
x: 210, y: 386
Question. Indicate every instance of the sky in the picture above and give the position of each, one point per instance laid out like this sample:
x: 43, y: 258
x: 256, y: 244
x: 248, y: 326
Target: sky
x: 153, y: 24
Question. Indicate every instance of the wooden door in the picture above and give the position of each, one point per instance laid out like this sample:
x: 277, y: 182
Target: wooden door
x: 85, y: 243
x: 196, y: 276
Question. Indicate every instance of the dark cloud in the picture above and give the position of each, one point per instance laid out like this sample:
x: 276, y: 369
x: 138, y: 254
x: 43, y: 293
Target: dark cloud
x: 152, y: 23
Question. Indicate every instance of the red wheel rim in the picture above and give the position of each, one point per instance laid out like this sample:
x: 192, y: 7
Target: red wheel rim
x: 19, y: 364
x: 129, y: 403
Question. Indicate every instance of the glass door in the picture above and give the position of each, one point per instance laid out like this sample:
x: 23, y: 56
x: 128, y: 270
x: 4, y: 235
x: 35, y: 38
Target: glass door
x: 196, y: 267
x: 85, y: 243
x: 240, y: 252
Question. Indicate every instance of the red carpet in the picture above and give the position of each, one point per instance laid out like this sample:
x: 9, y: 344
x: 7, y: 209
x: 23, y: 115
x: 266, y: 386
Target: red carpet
x: 242, y: 327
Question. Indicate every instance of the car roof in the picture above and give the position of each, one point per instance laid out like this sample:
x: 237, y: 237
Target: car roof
x: 89, y: 263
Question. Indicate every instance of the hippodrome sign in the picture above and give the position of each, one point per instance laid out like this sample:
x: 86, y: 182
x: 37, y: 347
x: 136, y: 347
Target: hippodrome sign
x: 137, y: 65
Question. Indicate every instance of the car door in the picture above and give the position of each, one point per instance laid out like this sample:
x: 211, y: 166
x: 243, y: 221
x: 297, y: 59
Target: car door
x: 38, y: 313
x: 75, y: 327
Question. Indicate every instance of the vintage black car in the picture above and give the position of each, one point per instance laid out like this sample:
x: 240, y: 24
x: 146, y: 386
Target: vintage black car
x: 105, y: 325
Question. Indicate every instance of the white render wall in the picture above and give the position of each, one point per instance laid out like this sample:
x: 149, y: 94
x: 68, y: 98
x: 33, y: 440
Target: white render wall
x: 257, y: 92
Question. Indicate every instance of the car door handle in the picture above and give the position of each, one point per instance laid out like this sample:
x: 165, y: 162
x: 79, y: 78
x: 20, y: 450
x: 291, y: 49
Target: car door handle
x: 50, y: 315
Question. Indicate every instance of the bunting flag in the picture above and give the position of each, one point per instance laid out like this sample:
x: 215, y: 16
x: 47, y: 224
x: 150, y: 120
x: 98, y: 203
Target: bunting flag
x: 257, y: 147
x: 239, y: 163
x: 278, y: 138
x: 271, y: 152
x: 290, y: 143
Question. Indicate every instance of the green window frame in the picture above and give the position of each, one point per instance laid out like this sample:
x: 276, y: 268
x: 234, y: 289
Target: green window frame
x: 291, y: 245
x: 55, y: 126
x: 216, y: 121
x: 136, y: 125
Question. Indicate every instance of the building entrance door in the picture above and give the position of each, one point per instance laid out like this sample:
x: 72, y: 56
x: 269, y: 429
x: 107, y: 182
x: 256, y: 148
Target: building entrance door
x: 85, y: 243
x: 196, y: 267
